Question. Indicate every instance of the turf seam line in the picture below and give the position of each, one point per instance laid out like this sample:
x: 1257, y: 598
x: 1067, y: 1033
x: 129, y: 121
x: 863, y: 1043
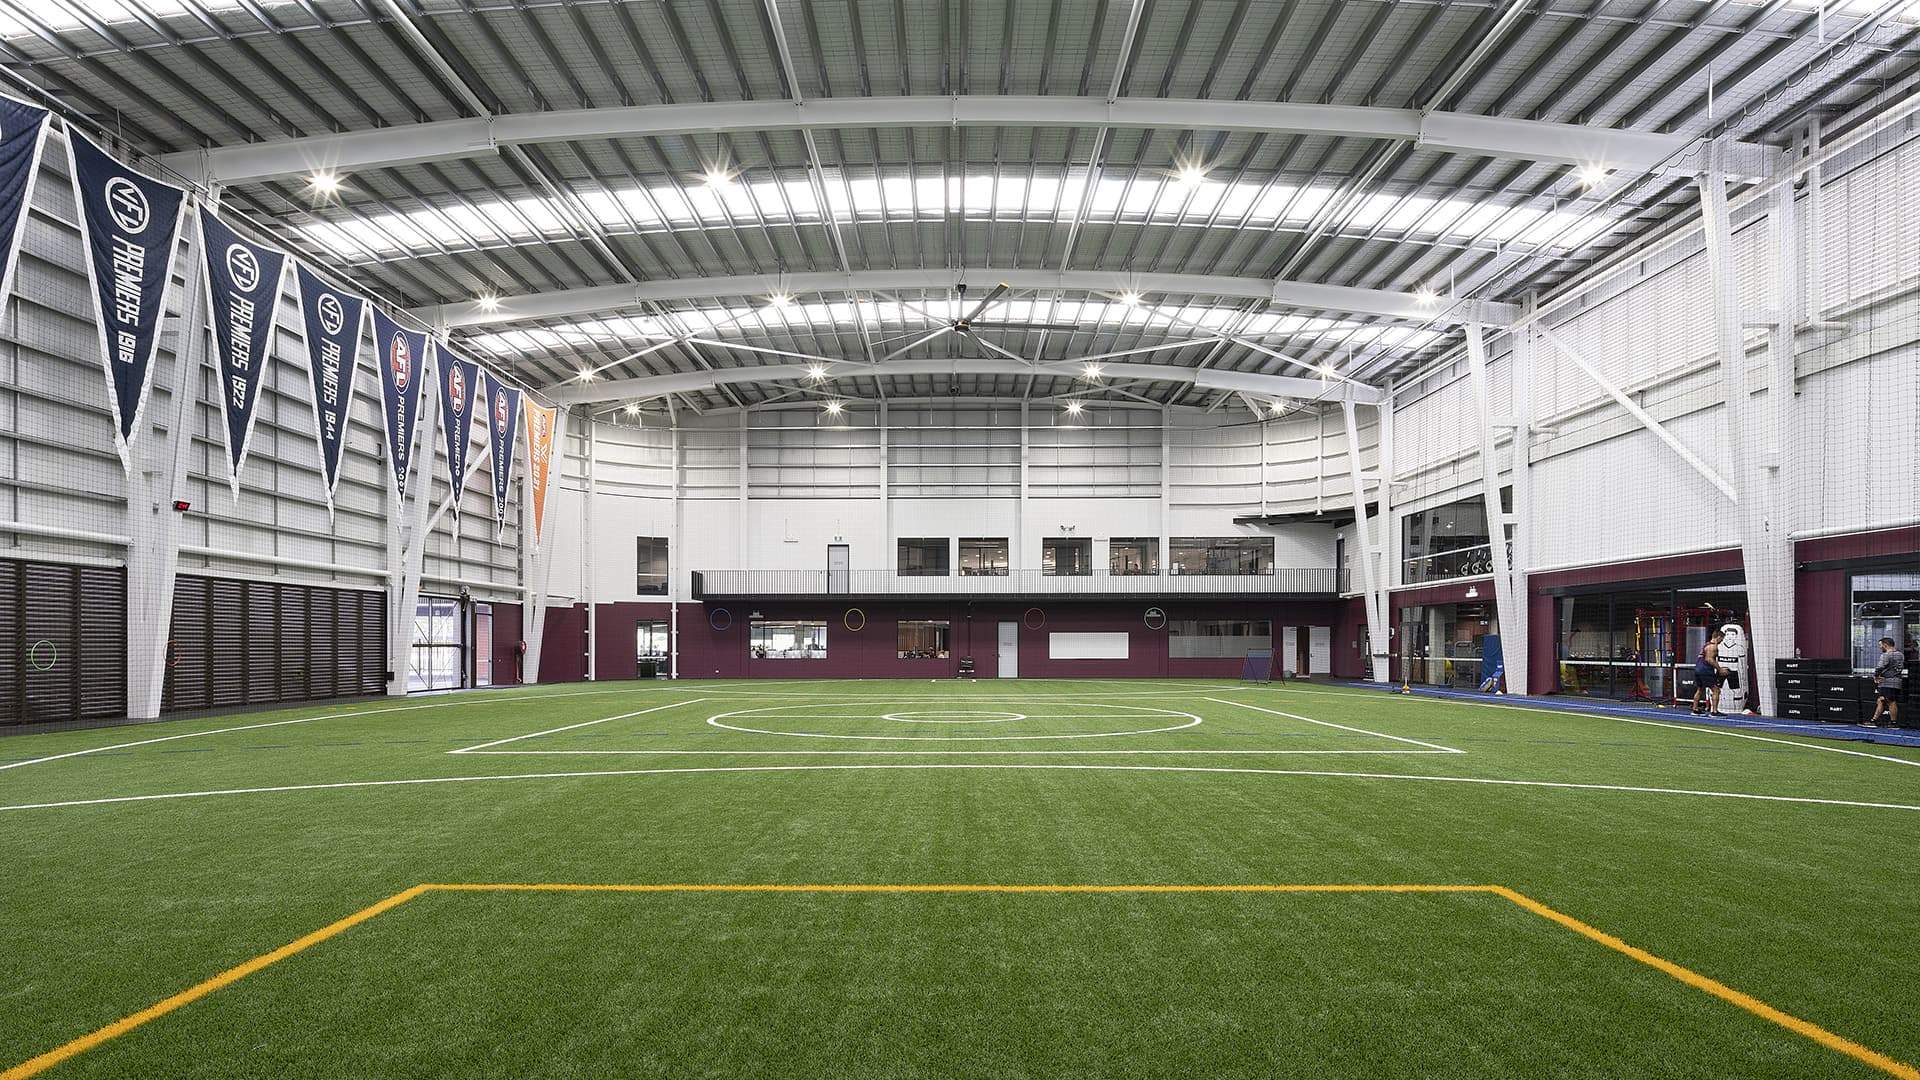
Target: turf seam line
x: 1685, y: 975
x: 1342, y: 727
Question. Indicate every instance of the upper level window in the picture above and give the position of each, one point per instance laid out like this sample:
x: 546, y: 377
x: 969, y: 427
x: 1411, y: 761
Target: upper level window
x: 983, y: 556
x: 1063, y: 556
x: 1222, y: 555
x: 1128, y: 555
x: 650, y: 578
x: 1450, y: 541
x: 923, y: 558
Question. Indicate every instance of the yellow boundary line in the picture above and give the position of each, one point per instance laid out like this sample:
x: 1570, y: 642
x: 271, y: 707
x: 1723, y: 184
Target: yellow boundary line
x: 1890, y: 1066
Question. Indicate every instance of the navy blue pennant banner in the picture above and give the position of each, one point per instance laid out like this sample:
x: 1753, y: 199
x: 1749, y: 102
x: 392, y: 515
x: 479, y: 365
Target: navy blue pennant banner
x: 459, y: 386
x: 503, y: 435
x: 243, y: 294
x: 331, y: 321
x: 23, y: 134
x: 128, y: 223
x: 401, y: 356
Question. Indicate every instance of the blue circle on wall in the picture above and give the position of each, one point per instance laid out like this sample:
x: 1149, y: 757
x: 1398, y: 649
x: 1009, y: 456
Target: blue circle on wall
x: 714, y: 618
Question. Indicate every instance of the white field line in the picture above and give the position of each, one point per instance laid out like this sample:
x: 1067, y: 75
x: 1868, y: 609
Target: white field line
x: 927, y: 753
x: 323, y: 716
x: 1561, y: 785
x: 1342, y: 727
x: 570, y: 727
x: 1697, y: 729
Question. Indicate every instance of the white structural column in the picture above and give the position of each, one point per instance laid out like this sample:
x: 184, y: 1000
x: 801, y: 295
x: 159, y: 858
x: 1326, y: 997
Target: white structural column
x: 1513, y: 629
x: 1519, y: 680
x: 1374, y: 592
x: 153, y: 525
x: 536, y: 563
x: 589, y: 585
x: 1753, y: 436
x: 406, y: 538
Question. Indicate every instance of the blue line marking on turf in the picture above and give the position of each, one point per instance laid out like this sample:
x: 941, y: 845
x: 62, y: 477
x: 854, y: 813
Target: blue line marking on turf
x: 1836, y: 732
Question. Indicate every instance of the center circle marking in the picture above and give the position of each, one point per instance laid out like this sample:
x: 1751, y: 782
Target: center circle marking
x: 1102, y: 711
x: 947, y: 716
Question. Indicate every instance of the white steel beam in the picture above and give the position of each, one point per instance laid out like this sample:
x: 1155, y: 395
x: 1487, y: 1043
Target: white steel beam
x: 610, y: 299
x: 1619, y: 150
x: 1231, y: 382
x: 1513, y: 635
x: 1374, y: 591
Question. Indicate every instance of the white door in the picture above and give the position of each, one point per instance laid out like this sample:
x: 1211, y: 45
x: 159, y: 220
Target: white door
x: 837, y: 563
x: 1009, y: 650
x: 1319, y: 650
x: 1290, y: 650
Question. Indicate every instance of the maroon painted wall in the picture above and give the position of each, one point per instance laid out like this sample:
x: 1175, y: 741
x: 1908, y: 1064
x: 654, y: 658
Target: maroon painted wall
x: 1822, y: 609
x: 506, y: 644
x: 563, y: 645
x: 871, y: 652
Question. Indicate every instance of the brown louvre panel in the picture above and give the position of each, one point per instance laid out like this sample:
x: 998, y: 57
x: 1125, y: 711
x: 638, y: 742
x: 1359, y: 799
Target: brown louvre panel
x: 51, y: 631
x: 226, y: 605
x: 296, y: 657
x: 13, y: 653
x: 101, y: 651
x: 260, y: 642
x: 324, y: 623
x: 186, y: 686
x: 262, y: 613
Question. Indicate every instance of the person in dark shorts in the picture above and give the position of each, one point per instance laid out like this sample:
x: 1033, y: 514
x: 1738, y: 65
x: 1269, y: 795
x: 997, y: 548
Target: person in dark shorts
x: 1706, y: 675
x: 1889, y: 677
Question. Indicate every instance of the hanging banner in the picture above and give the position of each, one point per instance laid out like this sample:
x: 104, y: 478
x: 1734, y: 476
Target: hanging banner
x: 23, y: 133
x: 503, y: 436
x: 401, y: 356
x: 459, y: 384
x: 539, y: 459
x: 128, y: 223
x: 243, y: 299
x: 331, y: 320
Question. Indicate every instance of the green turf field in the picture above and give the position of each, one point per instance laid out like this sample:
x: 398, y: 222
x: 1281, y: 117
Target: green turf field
x: 144, y: 861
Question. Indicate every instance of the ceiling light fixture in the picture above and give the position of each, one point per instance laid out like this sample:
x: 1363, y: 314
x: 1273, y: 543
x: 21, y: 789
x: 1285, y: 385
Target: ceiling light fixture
x: 1094, y: 371
x: 1130, y: 298
x: 1191, y: 175
x: 780, y: 299
x: 719, y: 177
x: 834, y: 407
x: 1426, y: 296
x: 1593, y: 175
x: 324, y: 182
x: 1074, y: 408
x: 487, y: 301
x: 633, y: 408
x: 586, y: 374
x: 817, y: 371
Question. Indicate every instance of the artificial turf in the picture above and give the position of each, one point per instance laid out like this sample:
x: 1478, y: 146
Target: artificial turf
x: 106, y: 908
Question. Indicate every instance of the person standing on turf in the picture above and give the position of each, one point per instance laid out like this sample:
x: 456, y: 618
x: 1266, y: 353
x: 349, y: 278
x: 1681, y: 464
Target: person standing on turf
x: 1889, y: 675
x: 1706, y: 677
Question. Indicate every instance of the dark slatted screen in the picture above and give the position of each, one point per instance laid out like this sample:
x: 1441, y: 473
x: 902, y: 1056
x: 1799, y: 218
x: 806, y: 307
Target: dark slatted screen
x: 63, y: 642
x: 253, y: 642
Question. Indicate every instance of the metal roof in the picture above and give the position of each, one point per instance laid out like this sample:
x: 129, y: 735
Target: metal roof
x: 675, y: 164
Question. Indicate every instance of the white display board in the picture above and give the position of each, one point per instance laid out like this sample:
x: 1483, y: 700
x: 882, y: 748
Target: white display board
x: 1087, y: 646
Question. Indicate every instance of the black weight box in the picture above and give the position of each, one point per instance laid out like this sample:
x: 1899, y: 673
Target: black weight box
x: 1797, y: 697
x: 1843, y: 686
x: 1798, y: 711
x: 1810, y: 666
x: 1844, y: 710
x: 1797, y: 680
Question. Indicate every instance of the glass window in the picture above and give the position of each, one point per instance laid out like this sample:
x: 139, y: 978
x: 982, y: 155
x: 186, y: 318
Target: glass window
x: 1217, y: 555
x: 1065, y: 556
x: 650, y: 558
x: 923, y: 557
x: 1885, y: 605
x: 1131, y: 555
x: 650, y: 642
x: 788, y: 640
x: 1193, y: 639
x: 923, y: 639
x: 983, y: 556
x: 1444, y: 542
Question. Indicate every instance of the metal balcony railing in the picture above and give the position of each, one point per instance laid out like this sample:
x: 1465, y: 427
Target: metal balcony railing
x: 1019, y: 583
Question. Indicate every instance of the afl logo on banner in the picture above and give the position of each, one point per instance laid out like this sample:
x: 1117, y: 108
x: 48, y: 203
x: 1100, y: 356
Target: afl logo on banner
x: 128, y: 204
x: 500, y: 413
x: 243, y: 268
x: 332, y: 316
x: 457, y: 389
x: 400, y: 359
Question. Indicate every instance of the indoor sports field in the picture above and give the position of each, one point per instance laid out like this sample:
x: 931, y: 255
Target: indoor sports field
x: 1132, y: 878
x: 959, y: 539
